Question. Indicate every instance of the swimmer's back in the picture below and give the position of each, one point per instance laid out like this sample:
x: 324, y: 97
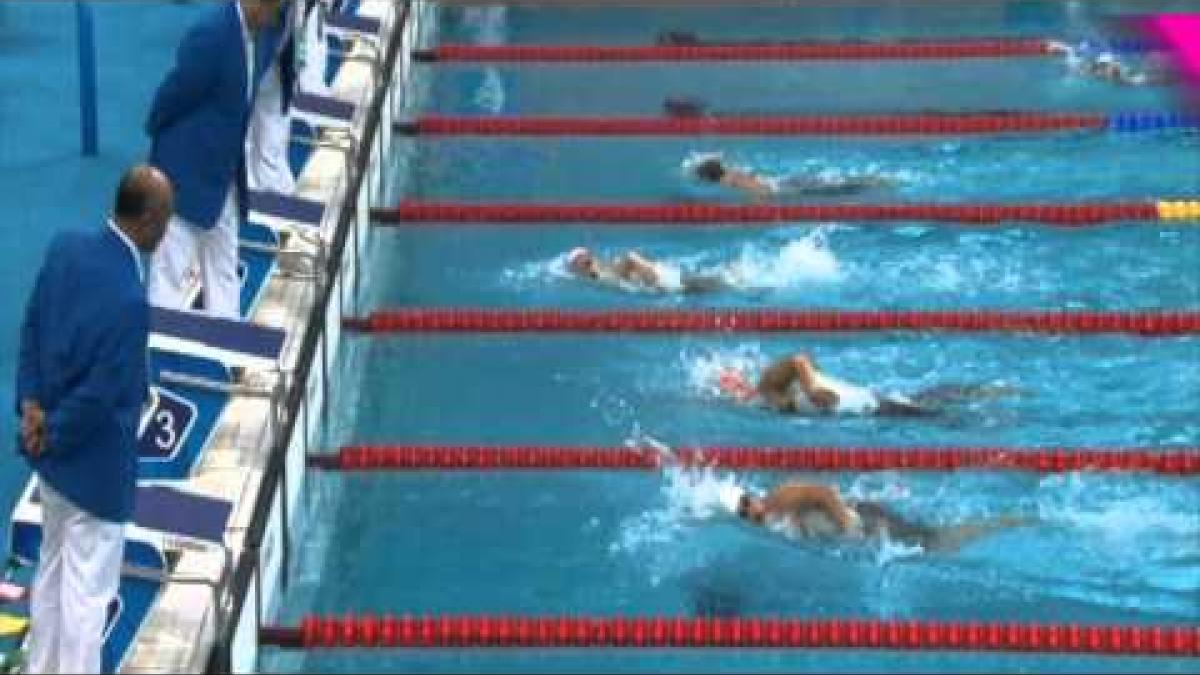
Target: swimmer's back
x: 879, y: 521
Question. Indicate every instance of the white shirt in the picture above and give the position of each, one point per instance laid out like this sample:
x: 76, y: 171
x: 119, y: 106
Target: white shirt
x: 248, y: 42
x: 133, y: 250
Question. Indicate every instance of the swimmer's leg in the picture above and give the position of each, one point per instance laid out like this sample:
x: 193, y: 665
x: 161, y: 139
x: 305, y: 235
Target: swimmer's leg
x: 703, y: 284
x: 962, y: 393
x: 677, y: 37
x: 879, y: 521
x: 840, y: 187
x: 956, y: 536
x: 896, y: 407
x: 684, y: 107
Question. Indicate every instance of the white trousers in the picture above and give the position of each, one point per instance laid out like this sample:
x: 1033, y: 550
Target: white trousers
x: 78, y: 575
x: 214, y: 251
x: 267, y: 139
x: 313, y: 57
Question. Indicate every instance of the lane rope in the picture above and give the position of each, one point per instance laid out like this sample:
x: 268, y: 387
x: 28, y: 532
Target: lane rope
x: 792, y: 125
x: 1065, y: 215
x: 745, y: 51
x: 375, y: 458
x: 452, y: 631
x: 488, y: 320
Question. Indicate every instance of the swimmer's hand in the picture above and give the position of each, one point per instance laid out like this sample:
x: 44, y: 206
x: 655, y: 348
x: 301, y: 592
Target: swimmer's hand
x: 642, y: 441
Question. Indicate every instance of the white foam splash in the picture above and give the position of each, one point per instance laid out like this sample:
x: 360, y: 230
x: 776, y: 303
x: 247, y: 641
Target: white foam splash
x: 703, y: 371
x: 490, y: 24
x: 801, y: 260
x: 490, y: 97
x: 756, y: 266
x: 690, y: 496
x: 537, y: 272
x: 1118, y: 510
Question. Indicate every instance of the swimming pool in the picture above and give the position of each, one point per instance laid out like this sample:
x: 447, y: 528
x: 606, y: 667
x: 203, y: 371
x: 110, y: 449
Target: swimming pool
x: 1107, y: 549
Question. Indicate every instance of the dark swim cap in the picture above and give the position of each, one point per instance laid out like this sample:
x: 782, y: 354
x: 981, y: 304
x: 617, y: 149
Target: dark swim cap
x: 712, y: 170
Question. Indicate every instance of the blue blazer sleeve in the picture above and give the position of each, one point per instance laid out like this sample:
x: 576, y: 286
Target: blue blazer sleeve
x: 194, y: 76
x: 120, y: 354
x: 29, y: 381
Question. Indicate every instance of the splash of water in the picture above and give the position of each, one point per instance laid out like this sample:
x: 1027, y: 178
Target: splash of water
x: 1119, y: 510
x: 756, y: 267
x: 490, y: 24
x: 703, y: 370
x: 691, y: 495
x: 490, y: 97
x: 802, y: 260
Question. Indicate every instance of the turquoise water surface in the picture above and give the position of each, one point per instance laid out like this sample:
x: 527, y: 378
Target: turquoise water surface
x: 1122, y: 549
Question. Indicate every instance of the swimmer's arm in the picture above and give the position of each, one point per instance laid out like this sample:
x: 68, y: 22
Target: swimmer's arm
x: 890, y: 406
x: 796, y: 499
x: 822, y: 398
x: 756, y: 187
x: 634, y: 267
x: 774, y: 383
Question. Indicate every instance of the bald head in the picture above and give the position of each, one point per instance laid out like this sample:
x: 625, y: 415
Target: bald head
x: 145, y: 201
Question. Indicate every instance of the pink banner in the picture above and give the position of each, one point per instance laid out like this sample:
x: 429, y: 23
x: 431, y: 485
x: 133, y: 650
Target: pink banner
x: 1182, y: 33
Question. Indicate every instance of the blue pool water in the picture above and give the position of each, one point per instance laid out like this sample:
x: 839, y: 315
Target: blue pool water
x: 1105, y: 548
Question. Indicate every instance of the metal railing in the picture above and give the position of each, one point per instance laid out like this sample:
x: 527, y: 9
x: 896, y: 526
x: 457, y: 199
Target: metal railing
x: 274, y: 481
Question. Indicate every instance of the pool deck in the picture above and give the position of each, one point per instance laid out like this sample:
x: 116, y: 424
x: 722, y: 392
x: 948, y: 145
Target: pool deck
x: 181, y: 630
x: 40, y: 150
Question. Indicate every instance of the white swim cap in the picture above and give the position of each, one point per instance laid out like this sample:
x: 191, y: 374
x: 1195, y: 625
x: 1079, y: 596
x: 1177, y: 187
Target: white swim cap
x: 575, y: 254
x: 1107, y: 58
x: 730, y: 497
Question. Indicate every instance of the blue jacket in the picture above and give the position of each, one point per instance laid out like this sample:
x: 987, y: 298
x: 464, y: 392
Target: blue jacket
x: 83, y: 358
x: 199, y: 116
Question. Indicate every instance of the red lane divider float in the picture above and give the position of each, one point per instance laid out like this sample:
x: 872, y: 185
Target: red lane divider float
x: 796, y: 51
x: 1042, y: 460
x: 1072, y: 215
x: 435, y: 632
x: 926, y: 124
x: 678, y: 321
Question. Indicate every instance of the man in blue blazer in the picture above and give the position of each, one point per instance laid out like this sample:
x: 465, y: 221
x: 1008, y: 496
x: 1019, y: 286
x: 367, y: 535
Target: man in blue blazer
x: 197, y: 124
x: 81, y: 384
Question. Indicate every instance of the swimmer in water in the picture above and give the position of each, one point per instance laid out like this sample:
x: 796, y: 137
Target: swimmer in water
x: 795, y: 385
x: 636, y: 270
x: 810, y: 510
x: 1107, y: 67
x: 714, y: 170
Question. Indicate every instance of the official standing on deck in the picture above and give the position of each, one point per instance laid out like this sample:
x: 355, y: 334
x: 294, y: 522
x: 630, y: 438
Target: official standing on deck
x: 267, y: 166
x: 198, y: 123
x: 81, y: 385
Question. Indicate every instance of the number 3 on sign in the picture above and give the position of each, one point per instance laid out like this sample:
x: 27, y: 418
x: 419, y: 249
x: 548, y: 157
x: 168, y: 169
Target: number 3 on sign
x: 165, y: 425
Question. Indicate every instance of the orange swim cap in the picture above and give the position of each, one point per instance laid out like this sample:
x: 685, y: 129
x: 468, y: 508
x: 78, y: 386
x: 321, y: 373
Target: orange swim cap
x: 733, y: 382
